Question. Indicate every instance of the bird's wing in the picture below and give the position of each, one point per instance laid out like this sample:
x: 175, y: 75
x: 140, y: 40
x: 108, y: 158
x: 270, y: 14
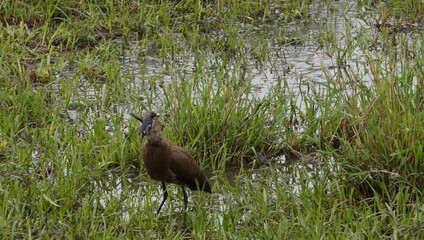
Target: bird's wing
x: 183, y: 164
x: 187, y: 170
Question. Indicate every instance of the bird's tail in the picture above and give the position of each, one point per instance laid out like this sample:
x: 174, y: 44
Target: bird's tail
x: 200, y: 183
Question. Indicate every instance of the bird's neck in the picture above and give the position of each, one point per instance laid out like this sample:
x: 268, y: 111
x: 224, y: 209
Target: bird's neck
x: 155, y: 134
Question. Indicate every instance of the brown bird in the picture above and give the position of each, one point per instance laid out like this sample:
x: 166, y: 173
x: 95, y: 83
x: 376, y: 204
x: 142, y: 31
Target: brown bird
x: 168, y: 162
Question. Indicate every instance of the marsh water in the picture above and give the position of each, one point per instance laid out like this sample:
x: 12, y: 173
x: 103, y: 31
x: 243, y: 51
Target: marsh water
x: 303, y: 61
x: 298, y: 54
x: 303, y: 55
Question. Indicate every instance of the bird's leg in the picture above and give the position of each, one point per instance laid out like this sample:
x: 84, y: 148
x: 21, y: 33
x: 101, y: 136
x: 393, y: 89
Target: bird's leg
x: 185, y: 199
x: 165, y: 196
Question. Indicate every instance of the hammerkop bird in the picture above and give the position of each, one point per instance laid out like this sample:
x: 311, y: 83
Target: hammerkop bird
x: 168, y: 162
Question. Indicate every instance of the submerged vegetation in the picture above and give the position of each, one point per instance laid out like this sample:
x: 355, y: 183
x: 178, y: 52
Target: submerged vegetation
x: 290, y: 156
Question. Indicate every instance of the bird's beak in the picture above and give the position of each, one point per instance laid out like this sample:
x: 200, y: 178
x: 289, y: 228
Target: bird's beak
x: 146, y: 124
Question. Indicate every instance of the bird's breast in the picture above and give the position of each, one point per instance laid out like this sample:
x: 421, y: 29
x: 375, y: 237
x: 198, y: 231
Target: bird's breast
x: 155, y: 159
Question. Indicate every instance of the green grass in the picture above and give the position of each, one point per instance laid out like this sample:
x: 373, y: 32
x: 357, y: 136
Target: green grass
x: 70, y: 165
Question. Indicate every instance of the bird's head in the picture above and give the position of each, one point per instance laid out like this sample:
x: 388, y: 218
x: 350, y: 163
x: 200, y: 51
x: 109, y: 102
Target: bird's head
x: 146, y: 122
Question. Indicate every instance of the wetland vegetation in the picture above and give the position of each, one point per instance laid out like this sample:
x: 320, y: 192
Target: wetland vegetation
x: 307, y: 116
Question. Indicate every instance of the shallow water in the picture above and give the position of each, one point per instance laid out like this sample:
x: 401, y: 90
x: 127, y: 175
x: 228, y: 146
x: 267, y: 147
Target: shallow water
x: 303, y: 64
x: 300, y: 61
